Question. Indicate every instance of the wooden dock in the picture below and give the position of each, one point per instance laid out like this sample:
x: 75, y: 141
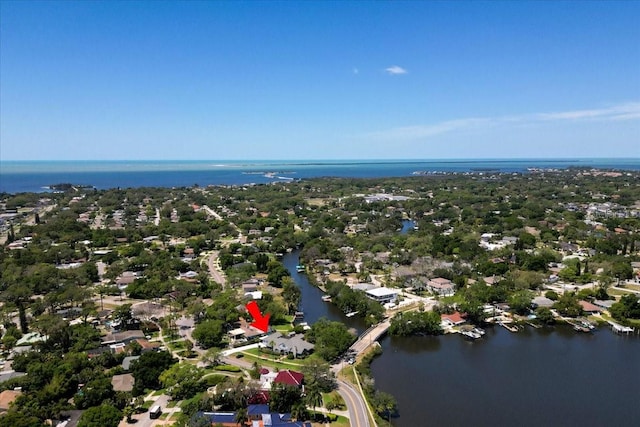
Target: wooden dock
x: 510, y: 328
x: 619, y: 329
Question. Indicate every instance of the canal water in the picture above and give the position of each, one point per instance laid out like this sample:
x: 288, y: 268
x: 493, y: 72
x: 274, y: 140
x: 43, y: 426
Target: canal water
x: 312, y: 305
x: 537, y: 377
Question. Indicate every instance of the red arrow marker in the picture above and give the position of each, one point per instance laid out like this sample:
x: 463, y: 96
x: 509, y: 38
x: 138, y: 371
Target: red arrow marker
x: 260, y: 322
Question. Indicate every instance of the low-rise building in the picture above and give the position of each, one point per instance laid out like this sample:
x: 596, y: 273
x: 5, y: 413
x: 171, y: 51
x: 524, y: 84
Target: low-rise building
x: 287, y: 344
x: 441, y: 286
x: 382, y: 295
x: 450, y: 320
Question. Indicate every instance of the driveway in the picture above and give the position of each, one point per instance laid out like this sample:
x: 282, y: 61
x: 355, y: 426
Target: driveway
x: 143, y: 420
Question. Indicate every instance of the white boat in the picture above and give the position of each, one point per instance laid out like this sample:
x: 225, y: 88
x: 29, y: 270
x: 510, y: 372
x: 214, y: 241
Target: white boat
x: 326, y: 298
x: 471, y: 334
x: 353, y: 313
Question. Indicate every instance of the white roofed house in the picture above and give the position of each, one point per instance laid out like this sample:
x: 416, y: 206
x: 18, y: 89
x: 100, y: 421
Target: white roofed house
x: 382, y: 295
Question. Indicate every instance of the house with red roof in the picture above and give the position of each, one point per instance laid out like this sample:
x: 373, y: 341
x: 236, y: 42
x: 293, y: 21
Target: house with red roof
x: 290, y: 378
x: 587, y: 307
x: 451, y: 320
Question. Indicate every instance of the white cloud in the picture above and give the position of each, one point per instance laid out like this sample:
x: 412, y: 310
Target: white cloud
x: 395, y: 70
x: 628, y: 111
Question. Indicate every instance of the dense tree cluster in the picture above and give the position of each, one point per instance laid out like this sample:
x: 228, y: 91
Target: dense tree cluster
x: 415, y: 323
x: 331, y: 339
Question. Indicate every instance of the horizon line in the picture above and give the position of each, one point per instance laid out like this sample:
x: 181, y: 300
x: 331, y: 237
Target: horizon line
x: 333, y: 159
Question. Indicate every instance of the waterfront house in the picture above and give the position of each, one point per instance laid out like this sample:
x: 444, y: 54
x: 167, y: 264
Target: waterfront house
x: 451, y: 320
x: 542, y: 301
x: 382, y: 295
x: 287, y: 344
x: 588, y: 307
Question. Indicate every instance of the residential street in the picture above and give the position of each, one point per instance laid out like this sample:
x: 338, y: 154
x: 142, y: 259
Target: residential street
x: 355, y: 405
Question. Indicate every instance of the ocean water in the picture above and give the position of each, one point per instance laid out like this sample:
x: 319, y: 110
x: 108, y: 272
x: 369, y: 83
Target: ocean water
x: 36, y: 176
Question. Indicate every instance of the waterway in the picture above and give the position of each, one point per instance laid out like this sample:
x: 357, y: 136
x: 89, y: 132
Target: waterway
x: 552, y: 376
x: 312, y: 305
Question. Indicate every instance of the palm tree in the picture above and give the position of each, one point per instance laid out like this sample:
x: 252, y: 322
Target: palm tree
x: 242, y: 416
x: 385, y: 404
x: 314, y: 396
x: 298, y: 411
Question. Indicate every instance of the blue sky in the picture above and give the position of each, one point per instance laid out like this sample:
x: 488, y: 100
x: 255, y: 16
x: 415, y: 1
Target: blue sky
x: 318, y: 80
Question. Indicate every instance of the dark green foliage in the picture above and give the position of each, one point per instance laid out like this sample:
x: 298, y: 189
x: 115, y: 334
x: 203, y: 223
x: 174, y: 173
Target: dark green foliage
x: 19, y: 419
x: 276, y: 272
x: 283, y: 397
x: 183, y: 380
x: 94, y: 393
x: 209, y: 333
x: 330, y: 338
x: 520, y: 301
x: 101, y: 416
x: 627, y: 308
x: 567, y: 305
x: 147, y: 369
x: 349, y: 300
x: 544, y: 315
x: 416, y: 322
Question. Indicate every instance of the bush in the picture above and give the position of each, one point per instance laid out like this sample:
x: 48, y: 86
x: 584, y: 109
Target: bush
x: 228, y: 368
x: 213, y: 380
x: 552, y: 295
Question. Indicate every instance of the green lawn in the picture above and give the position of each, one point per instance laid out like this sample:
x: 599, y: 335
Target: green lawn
x: 336, y: 420
x: 177, y: 345
x: 267, y: 360
x: 617, y: 292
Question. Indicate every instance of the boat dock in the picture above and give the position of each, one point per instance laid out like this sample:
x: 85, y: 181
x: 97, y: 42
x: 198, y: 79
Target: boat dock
x: 510, y: 328
x: 619, y: 329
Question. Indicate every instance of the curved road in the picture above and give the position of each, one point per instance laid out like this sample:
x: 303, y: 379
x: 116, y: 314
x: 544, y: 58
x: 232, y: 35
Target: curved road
x: 356, y: 406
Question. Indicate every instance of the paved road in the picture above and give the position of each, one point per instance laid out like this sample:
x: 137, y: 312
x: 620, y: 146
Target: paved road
x: 355, y: 405
x: 143, y: 419
x: 214, y: 272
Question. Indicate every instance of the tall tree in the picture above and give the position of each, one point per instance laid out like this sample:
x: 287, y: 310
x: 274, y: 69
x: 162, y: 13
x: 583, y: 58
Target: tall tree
x: 101, y: 416
x: 313, y: 396
x: 291, y: 294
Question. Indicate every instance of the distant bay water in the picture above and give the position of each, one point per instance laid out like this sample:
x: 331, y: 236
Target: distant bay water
x: 36, y: 176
